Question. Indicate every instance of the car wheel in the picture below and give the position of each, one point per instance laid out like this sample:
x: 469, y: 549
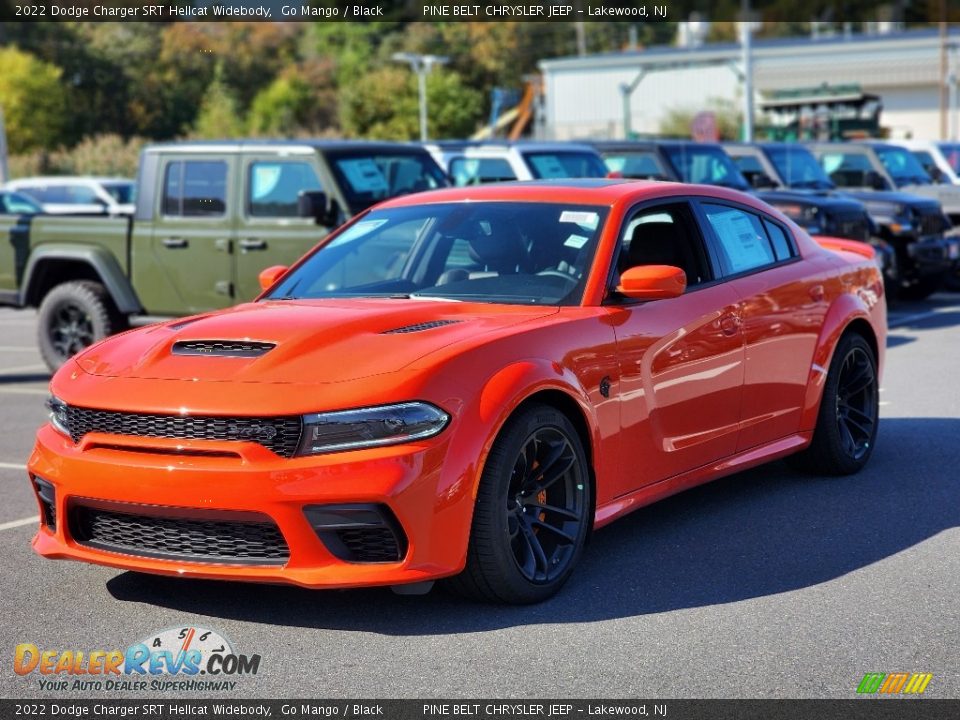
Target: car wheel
x: 72, y: 316
x: 846, y: 430
x: 532, y: 514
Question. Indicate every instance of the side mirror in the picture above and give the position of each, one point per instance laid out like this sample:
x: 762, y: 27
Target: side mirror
x: 874, y: 180
x: 652, y: 282
x: 762, y: 181
x: 269, y: 277
x: 315, y: 204
x: 936, y: 174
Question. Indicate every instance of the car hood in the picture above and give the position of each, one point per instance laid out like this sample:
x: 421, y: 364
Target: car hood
x: 308, y: 341
x: 818, y: 198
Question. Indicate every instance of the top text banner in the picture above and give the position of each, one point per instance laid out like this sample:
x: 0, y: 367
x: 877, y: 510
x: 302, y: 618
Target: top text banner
x: 467, y: 11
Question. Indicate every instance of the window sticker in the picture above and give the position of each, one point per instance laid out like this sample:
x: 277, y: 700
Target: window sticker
x: 364, y: 175
x: 576, y: 241
x: 589, y: 220
x: 745, y: 248
x: 364, y: 227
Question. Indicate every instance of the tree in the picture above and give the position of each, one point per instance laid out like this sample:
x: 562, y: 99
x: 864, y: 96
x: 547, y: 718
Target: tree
x: 33, y: 101
x: 301, y: 99
x: 218, y: 117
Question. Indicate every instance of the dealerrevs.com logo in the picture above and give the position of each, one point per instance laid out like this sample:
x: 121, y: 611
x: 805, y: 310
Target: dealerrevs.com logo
x: 177, y: 659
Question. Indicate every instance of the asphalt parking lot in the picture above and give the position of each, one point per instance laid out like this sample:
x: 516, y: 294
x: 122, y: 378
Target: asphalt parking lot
x: 765, y: 584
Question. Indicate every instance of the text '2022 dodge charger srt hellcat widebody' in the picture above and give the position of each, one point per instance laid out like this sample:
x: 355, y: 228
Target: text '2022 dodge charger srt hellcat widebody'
x: 463, y: 384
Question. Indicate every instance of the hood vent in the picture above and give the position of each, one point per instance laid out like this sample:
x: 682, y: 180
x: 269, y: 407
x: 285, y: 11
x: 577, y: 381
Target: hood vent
x: 419, y: 326
x: 222, y: 348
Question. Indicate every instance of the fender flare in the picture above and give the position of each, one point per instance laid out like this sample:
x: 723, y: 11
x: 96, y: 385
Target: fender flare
x: 846, y: 309
x: 100, y: 260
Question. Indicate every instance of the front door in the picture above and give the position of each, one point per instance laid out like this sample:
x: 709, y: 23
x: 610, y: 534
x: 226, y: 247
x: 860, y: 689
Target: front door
x: 190, y: 265
x: 269, y: 229
x: 681, y: 360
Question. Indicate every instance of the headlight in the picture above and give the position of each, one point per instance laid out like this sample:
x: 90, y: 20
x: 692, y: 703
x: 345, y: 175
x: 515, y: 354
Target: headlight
x: 370, y: 427
x: 58, y: 415
x: 884, y: 210
x: 806, y: 216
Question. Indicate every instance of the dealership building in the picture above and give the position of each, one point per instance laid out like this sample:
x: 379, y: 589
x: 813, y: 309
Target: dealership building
x: 584, y: 95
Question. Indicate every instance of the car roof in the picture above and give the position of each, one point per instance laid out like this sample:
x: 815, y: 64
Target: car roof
x: 66, y: 179
x: 584, y: 191
x: 308, y: 144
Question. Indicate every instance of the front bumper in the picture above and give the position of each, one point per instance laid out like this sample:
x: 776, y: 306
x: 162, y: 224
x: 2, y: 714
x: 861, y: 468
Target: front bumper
x: 151, y: 478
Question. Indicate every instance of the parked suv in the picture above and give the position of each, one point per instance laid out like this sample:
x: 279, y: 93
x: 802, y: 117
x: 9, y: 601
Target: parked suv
x: 476, y: 163
x: 912, y: 226
x: 79, y: 195
x: 209, y: 217
x: 941, y: 160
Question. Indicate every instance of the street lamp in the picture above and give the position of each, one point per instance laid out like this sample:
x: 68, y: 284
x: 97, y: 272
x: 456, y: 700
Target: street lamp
x: 421, y: 65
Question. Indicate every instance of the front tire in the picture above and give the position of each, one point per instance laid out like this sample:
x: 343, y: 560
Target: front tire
x: 532, y: 512
x: 847, y: 423
x: 73, y: 316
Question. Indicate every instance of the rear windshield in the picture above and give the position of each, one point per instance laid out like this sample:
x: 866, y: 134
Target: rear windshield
x: 123, y: 192
x: 546, y: 165
x: 368, y: 178
x: 707, y: 165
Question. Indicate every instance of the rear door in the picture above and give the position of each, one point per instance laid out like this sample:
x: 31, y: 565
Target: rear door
x: 190, y: 268
x: 269, y: 230
x: 682, y: 359
x: 782, y: 312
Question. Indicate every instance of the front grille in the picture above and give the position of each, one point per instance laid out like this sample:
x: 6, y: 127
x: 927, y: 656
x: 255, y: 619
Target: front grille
x: 418, y: 327
x: 224, y: 537
x: 222, y: 348
x: 279, y: 434
x: 931, y: 223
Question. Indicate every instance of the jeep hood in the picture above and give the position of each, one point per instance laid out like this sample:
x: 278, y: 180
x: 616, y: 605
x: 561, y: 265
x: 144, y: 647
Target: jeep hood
x: 302, y: 341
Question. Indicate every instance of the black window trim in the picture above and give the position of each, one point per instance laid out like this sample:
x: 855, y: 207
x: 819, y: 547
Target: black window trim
x: 613, y: 298
x: 714, y: 241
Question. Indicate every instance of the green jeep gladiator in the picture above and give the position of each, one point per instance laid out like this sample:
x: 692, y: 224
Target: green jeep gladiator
x: 209, y: 217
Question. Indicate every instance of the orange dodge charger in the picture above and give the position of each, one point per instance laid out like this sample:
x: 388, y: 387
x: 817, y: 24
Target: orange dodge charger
x: 464, y: 384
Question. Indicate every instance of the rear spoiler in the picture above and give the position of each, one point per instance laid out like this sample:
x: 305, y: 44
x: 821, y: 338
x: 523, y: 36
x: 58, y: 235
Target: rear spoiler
x: 844, y: 245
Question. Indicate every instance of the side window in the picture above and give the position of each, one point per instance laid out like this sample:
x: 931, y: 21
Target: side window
x: 743, y: 243
x: 195, y: 188
x: 782, y: 247
x: 273, y: 188
x: 664, y: 235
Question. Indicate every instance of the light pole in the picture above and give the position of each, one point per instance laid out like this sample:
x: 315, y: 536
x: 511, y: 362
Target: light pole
x: 421, y: 65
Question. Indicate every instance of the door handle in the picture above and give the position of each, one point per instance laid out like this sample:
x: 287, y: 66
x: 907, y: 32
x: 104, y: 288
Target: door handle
x: 729, y: 325
x: 253, y: 244
x: 175, y: 243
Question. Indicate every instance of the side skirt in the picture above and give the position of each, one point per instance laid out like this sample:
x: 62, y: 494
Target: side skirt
x: 608, y: 512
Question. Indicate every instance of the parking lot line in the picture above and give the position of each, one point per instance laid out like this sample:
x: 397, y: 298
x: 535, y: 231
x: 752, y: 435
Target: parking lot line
x: 19, y: 523
x: 17, y: 348
x: 22, y: 368
x: 12, y: 466
x: 24, y: 390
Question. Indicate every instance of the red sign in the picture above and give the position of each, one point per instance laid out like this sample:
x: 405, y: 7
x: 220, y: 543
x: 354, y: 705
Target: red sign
x: 703, y: 127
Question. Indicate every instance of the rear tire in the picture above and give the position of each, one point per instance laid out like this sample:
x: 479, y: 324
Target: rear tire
x: 73, y: 316
x: 846, y: 430
x: 532, y: 513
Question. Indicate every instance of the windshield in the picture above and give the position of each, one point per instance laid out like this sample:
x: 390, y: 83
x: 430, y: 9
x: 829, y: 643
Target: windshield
x: 951, y: 151
x: 706, y: 165
x: 123, y: 192
x: 368, y: 178
x: 497, y: 252
x: 902, y: 166
x: 798, y: 168
x: 17, y: 204
x: 546, y: 165
x: 639, y: 164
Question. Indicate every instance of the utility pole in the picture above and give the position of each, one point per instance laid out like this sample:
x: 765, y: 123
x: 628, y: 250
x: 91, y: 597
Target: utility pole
x: 746, y: 51
x: 4, y: 173
x: 944, y: 70
x: 422, y: 65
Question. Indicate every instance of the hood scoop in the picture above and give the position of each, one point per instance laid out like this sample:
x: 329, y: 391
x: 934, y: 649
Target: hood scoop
x: 418, y: 327
x: 222, y: 348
